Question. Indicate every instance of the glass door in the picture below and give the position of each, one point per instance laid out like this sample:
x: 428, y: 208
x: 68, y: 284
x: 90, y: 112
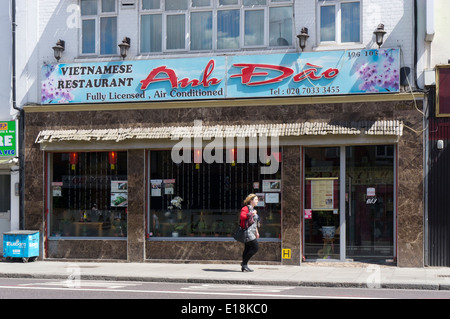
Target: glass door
x: 370, y: 201
x: 349, y: 203
x: 322, y: 195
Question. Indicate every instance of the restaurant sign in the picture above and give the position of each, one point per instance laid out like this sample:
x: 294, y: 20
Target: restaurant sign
x: 8, y: 139
x: 239, y: 76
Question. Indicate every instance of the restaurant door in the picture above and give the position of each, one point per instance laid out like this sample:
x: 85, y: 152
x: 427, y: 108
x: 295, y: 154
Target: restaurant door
x: 349, y: 202
x: 370, y: 202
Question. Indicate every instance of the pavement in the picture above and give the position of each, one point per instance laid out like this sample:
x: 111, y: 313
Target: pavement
x: 308, y: 274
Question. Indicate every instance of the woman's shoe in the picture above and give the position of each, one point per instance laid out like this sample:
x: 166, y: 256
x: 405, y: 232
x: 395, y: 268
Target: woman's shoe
x: 246, y: 269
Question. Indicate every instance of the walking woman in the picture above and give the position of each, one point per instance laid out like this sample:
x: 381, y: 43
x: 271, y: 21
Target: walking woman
x: 249, y: 220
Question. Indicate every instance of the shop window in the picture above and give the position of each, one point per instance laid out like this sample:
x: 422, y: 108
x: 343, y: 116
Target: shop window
x: 205, y: 25
x: 88, y: 194
x: 339, y: 21
x: 5, y: 191
x: 98, y: 27
x: 204, y: 200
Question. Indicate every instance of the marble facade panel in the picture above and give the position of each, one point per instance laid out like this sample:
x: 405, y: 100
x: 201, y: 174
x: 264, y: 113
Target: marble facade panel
x: 209, y: 250
x: 409, y: 171
x: 136, y: 206
x: 87, y: 249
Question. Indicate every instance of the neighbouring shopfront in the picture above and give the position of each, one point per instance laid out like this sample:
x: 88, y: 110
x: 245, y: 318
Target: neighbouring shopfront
x: 9, y: 181
x: 162, y: 175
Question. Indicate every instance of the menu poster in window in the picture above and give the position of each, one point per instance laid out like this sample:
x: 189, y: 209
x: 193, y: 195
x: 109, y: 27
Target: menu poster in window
x: 119, y: 186
x: 119, y: 193
x: 156, y: 187
x: 271, y: 185
x: 322, y: 194
x: 57, y: 189
x: 307, y: 214
x: 272, y: 198
x: 119, y: 199
x: 261, y: 199
x: 169, y: 185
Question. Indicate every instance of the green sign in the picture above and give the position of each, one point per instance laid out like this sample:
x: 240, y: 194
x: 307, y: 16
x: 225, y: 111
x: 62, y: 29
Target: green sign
x: 8, y: 139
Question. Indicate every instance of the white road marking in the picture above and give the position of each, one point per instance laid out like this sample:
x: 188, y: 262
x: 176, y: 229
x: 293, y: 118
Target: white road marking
x: 84, y: 284
x: 183, y: 292
x: 250, y: 288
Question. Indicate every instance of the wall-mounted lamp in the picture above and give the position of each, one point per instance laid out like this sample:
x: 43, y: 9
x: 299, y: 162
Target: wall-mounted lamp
x: 124, y: 46
x: 302, y: 37
x: 59, y: 48
x: 379, y: 34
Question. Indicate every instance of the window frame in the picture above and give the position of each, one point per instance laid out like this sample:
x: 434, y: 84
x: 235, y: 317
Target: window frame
x: 265, y: 31
x: 164, y: 30
x: 214, y: 8
x: 338, y: 21
x: 151, y: 233
x: 98, y: 36
x: 49, y: 198
x: 213, y: 26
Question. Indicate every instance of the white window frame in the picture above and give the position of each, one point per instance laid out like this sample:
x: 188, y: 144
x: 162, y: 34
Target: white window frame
x: 265, y: 31
x: 338, y: 21
x: 164, y: 29
x: 214, y: 8
x: 97, y: 18
x: 241, y: 27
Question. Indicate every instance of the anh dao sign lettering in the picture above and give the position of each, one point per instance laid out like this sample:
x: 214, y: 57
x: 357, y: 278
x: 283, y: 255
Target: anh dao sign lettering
x: 247, y: 76
x: 7, y: 139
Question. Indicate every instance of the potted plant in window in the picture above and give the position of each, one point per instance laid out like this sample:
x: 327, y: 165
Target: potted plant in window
x: 329, y: 230
x: 202, y: 227
x: 179, y: 225
x: 177, y: 229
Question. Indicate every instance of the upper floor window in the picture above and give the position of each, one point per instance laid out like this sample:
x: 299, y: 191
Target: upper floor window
x: 339, y: 21
x: 98, y: 27
x: 214, y: 25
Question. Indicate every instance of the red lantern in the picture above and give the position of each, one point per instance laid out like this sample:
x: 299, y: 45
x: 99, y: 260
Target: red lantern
x: 197, y: 158
x: 233, y: 156
x: 112, y: 157
x: 73, y: 160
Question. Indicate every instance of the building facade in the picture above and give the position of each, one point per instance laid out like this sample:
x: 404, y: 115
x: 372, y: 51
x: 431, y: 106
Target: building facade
x: 10, y: 120
x: 434, y: 61
x: 159, y: 117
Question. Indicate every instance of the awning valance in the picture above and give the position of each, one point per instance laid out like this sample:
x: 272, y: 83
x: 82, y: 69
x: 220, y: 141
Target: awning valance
x: 381, y: 128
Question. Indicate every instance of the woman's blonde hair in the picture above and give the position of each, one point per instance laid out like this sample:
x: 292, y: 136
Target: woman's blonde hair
x: 249, y: 199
